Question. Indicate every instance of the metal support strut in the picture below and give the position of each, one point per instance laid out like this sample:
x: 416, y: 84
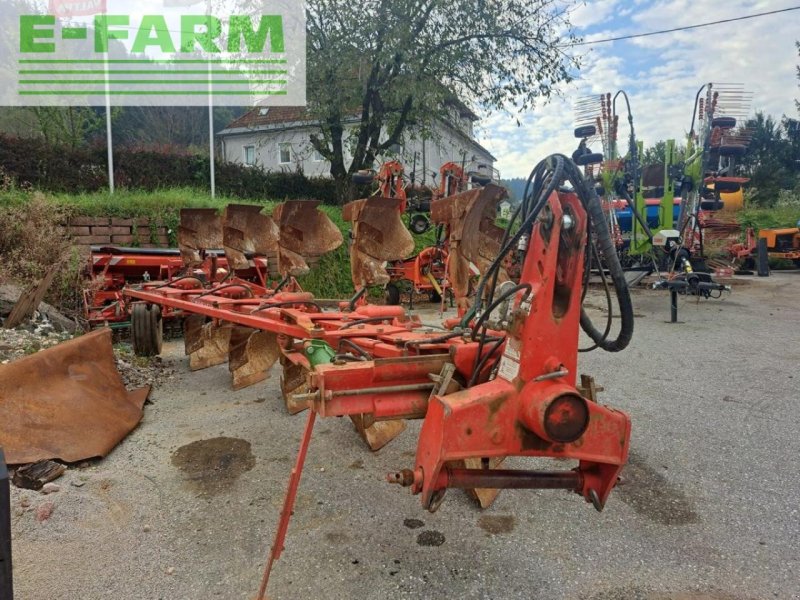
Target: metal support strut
x: 6, y: 583
x: 288, y: 504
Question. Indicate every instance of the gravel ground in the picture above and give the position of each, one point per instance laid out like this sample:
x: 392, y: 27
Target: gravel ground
x: 185, y: 508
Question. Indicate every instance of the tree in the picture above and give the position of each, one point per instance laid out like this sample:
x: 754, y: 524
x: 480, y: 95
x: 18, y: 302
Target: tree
x: 769, y: 162
x: 389, y: 64
x: 69, y: 125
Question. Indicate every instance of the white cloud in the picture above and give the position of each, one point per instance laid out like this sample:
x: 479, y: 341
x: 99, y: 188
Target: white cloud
x: 660, y: 73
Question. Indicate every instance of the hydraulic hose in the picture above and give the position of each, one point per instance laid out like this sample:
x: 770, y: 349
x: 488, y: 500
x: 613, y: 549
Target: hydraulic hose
x: 591, y: 203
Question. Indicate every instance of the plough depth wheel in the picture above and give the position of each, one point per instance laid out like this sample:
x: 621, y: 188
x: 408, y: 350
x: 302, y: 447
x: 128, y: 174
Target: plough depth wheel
x: 147, y: 329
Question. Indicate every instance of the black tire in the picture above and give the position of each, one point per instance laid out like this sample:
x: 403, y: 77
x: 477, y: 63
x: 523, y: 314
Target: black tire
x: 711, y: 205
x: 392, y: 294
x: 585, y: 131
x: 727, y: 187
x: 732, y: 150
x: 419, y: 224
x: 589, y: 159
x: 723, y: 122
x: 762, y: 257
x: 147, y: 329
x: 435, y: 297
x: 364, y: 178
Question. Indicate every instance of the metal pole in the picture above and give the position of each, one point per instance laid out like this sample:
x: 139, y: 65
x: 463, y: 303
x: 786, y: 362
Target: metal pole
x: 6, y: 583
x: 673, y: 308
x: 109, y: 143
x: 212, y: 166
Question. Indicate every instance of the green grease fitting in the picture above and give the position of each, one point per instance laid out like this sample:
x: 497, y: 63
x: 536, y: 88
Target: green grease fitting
x: 319, y: 352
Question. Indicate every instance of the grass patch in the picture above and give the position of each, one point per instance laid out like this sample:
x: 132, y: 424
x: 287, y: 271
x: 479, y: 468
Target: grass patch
x: 770, y: 218
x: 330, y: 278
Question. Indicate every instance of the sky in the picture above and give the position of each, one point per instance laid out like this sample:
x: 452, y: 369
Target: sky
x: 661, y: 74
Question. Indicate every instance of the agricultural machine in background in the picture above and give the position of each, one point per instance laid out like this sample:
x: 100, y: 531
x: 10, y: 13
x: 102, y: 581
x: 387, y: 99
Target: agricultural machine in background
x: 500, y: 380
x: 383, y: 254
x: 666, y: 232
x: 111, y: 268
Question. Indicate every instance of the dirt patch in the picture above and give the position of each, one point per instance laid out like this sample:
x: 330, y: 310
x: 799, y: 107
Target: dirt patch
x: 413, y: 523
x: 650, y: 494
x: 337, y: 537
x: 495, y: 524
x: 430, y: 538
x: 213, y: 465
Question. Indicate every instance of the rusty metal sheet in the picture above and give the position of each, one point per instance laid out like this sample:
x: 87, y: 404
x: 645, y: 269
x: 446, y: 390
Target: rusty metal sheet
x: 305, y: 229
x: 246, y: 230
x: 199, y: 229
x: 67, y: 402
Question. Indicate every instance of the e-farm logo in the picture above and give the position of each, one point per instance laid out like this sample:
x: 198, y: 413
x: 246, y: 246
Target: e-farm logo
x: 178, y: 57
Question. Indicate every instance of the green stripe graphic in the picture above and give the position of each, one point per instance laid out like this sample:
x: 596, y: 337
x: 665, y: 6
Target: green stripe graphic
x: 147, y: 72
x: 172, y: 61
x: 151, y: 93
x: 149, y: 82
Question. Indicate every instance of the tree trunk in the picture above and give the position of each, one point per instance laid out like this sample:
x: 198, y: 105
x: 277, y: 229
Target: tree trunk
x: 344, y: 189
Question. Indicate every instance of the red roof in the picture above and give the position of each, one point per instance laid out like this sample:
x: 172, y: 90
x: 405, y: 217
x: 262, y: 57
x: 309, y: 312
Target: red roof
x: 274, y: 115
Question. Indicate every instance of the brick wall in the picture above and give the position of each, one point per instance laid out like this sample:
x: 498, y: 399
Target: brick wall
x: 100, y: 231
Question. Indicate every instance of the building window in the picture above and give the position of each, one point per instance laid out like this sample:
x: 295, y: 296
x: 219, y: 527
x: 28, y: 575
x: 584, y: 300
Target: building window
x: 284, y: 153
x: 317, y: 157
x: 249, y: 153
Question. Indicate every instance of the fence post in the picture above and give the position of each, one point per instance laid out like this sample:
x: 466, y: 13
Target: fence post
x: 6, y: 586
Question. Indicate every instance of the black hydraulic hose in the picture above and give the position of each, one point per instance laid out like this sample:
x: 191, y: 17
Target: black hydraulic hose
x: 354, y: 346
x: 261, y: 307
x: 367, y: 320
x: 505, y: 296
x: 642, y: 222
x: 529, y: 218
x: 286, y: 279
x: 591, y: 203
x: 352, y: 303
x: 483, y: 361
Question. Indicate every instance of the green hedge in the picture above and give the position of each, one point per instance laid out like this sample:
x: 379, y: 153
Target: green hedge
x: 36, y: 164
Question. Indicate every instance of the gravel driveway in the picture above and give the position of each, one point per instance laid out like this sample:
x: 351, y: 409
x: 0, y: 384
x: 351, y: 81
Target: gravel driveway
x: 185, y: 508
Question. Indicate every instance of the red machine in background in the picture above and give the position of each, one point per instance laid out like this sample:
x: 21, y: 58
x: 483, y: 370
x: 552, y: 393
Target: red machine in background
x: 426, y: 272
x: 111, y: 268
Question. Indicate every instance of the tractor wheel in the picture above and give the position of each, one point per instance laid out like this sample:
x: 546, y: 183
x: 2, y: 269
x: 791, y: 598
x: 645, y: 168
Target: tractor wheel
x: 419, y: 224
x: 147, y: 329
x: 723, y: 122
x: 435, y: 297
x: 727, y: 187
x: 762, y: 257
x: 732, y: 150
x: 585, y: 131
x: 711, y: 205
x: 392, y: 294
x: 589, y: 159
x: 363, y: 178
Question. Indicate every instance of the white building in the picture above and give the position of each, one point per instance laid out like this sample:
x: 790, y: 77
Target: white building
x: 277, y: 138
